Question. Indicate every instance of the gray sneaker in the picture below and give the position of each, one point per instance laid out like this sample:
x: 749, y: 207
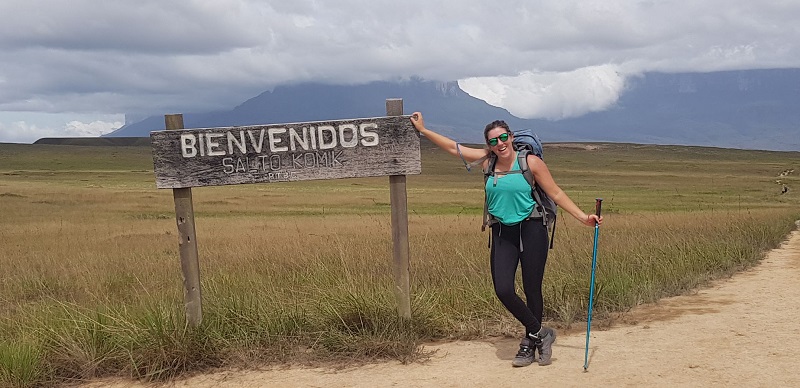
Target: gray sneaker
x: 544, y: 345
x: 525, y: 356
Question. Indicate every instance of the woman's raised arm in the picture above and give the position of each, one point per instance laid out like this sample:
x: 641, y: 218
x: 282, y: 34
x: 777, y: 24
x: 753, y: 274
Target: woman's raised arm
x: 469, y: 154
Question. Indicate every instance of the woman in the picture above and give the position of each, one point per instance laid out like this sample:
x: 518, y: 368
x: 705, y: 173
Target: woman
x: 517, y: 239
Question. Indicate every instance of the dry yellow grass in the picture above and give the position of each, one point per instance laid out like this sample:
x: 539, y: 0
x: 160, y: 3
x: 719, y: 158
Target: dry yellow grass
x: 91, y: 281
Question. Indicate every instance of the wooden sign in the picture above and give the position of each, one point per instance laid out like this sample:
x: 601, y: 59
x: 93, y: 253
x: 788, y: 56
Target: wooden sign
x: 354, y: 148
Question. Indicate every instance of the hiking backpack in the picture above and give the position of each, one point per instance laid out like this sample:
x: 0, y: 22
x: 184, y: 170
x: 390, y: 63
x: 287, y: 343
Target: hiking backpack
x: 525, y: 142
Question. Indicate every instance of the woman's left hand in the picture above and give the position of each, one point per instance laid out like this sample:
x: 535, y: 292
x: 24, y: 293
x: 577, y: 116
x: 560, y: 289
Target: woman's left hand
x: 592, y: 219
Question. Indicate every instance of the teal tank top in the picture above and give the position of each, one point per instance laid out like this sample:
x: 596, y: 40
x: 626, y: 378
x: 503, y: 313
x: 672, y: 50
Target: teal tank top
x: 509, y: 200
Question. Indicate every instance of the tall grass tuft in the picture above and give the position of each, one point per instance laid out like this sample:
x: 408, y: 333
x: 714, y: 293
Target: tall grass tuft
x: 22, y: 365
x: 640, y: 260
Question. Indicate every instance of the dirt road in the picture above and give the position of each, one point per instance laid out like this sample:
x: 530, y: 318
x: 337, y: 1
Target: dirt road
x: 744, y: 331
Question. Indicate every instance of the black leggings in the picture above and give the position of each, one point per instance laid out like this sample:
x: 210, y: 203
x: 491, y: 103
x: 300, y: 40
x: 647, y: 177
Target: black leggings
x: 525, y: 243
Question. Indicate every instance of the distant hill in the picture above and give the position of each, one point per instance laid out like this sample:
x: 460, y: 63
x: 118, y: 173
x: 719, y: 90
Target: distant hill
x: 96, y: 141
x: 447, y: 108
x: 752, y: 109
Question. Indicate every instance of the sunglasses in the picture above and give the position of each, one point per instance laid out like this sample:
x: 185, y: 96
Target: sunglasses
x: 493, y: 141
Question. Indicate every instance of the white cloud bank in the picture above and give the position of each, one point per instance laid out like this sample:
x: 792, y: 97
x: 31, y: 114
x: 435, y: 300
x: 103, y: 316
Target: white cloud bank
x: 94, y: 128
x: 49, y: 125
x: 550, y: 95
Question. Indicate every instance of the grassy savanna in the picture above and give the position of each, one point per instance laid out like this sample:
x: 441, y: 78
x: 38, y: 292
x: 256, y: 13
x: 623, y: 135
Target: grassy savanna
x: 301, y: 272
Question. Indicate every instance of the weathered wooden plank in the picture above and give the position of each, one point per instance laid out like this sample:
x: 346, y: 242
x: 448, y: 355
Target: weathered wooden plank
x: 380, y: 146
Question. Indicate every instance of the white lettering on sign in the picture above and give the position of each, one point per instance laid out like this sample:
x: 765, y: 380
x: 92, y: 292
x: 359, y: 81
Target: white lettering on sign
x: 274, y: 140
x: 213, y: 145
x: 281, y: 139
x: 251, y: 164
x: 369, y: 135
x: 274, y: 162
x: 304, y: 141
x: 188, y: 143
x: 257, y: 146
x: 331, y: 137
x: 353, y: 141
x: 317, y: 159
x: 240, y: 143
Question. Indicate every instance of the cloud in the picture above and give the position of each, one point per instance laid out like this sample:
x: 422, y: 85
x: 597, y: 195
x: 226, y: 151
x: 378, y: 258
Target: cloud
x: 22, y: 131
x: 132, y: 26
x: 154, y: 57
x: 550, y: 95
x: 94, y: 128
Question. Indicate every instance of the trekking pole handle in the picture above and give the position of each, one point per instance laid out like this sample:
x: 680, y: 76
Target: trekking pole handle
x: 597, y: 205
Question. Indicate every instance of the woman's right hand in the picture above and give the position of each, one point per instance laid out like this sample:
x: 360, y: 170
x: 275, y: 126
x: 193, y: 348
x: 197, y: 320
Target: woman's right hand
x: 418, y: 121
x: 468, y: 154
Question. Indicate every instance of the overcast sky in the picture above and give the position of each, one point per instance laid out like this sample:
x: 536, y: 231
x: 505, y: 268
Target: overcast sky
x: 75, y: 68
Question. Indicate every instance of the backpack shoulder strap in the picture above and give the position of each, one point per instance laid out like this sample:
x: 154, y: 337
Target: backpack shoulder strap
x: 522, y: 159
x: 487, y: 173
x: 477, y: 162
x: 526, y: 172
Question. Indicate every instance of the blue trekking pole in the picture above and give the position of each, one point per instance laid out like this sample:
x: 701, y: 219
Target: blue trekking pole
x: 597, y: 205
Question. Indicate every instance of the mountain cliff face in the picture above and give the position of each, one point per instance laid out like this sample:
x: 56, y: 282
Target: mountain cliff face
x: 753, y: 109
x: 446, y: 107
x: 738, y: 109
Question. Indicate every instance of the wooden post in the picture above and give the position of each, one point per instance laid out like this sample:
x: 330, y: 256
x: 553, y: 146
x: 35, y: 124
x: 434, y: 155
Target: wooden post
x: 190, y: 265
x: 400, y: 244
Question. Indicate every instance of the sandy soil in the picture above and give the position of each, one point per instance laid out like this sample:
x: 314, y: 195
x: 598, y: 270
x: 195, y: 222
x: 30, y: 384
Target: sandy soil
x: 743, y: 331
